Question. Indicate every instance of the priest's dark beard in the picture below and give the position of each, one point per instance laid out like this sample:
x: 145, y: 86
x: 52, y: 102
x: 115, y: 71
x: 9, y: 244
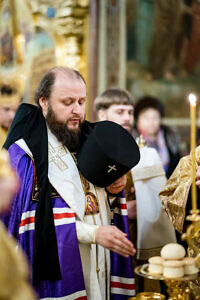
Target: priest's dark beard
x: 71, y: 139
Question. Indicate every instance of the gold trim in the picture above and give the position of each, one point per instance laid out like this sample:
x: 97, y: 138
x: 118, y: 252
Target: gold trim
x: 175, y: 193
x: 55, y: 156
x: 90, y: 198
x: 16, y: 84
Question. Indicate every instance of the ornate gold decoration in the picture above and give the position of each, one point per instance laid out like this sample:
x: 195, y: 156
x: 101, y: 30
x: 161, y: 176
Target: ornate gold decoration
x: 177, y: 288
x: 175, y: 193
x: 182, y: 288
x: 41, y: 63
x: 149, y: 296
x: 91, y: 202
x: 55, y: 156
x: 92, y: 206
x: 141, y: 141
x: 192, y: 235
x: 174, y: 198
x: 68, y: 29
x: 18, y: 38
x: 16, y: 85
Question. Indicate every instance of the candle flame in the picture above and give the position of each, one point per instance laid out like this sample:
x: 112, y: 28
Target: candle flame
x: 192, y: 99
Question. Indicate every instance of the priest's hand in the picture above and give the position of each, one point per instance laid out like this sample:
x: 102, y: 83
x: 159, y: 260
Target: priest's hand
x: 198, y: 177
x: 110, y: 237
x: 132, y: 209
x: 117, y: 186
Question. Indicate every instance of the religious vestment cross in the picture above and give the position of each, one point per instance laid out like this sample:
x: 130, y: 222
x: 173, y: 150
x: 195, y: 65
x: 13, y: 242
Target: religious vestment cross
x: 111, y: 168
x: 55, y: 156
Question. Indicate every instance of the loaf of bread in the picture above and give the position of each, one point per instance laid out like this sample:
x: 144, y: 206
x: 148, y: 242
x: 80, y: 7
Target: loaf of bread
x: 172, y: 251
x: 173, y: 269
x: 156, y: 265
x: 189, y: 266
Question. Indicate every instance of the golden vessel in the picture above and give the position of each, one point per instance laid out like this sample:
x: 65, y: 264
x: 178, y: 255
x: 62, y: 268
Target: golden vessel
x: 177, y: 288
x: 148, y: 296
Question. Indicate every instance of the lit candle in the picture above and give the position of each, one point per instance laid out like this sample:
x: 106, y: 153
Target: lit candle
x: 192, y: 100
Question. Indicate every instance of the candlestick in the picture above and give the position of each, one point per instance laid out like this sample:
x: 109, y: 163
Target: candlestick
x: 192, y: 100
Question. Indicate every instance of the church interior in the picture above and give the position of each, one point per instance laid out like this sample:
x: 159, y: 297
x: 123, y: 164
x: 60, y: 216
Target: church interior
x: 149, y: 48
x: 144, y: 46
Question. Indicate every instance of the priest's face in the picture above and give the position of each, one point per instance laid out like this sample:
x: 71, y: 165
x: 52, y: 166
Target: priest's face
x: 67, y: 100
x: 65, y: 109
x: 7, y: 113
x: 121, y: 114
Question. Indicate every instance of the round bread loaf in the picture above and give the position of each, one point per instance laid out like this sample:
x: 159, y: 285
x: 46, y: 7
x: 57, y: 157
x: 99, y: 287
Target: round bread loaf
x: 157, y: 260
x: 172, y: 251
x: 189, y: 266
x: 173, y: 263
x: 173, y: 269
x: 156, y: 265
x: 189, y: 261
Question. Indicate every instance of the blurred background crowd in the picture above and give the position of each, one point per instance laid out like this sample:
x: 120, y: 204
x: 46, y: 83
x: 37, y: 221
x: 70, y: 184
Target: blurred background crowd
x: 150, y: 48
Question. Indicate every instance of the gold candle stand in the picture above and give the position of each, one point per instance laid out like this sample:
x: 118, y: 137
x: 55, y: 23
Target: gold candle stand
x: 192, y: 235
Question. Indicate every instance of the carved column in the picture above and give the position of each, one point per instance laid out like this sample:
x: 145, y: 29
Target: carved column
x: 93, y: 54
x: 112, y: 44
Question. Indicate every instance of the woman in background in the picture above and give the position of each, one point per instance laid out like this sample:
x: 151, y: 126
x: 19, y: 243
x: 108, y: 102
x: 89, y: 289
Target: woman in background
x: 148, y: 115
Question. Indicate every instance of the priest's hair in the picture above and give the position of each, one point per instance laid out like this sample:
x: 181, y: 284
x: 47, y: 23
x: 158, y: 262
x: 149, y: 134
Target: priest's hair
x: 113, y: 96
x: 48, y: 80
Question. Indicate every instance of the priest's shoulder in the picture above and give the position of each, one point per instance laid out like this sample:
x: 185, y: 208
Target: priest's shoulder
x: 17, y: 151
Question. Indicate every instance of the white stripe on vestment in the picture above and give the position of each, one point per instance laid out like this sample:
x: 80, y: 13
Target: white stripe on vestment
x: 120, y: 211
x: 123, y: 279
x: 27, y: 227
x: 122, y: 200
x: 58, y: 211
x: 122, y: 291
x: 73, y: 296
x: 64, y: 221
x: 28, y: 214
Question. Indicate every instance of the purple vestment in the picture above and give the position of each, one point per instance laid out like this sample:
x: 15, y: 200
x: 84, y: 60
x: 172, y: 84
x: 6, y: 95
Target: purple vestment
x: 122, y: 280
x: 21, y: 224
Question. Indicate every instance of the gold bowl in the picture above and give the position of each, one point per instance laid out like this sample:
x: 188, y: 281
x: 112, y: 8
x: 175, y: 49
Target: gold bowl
x: 149, y: 296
